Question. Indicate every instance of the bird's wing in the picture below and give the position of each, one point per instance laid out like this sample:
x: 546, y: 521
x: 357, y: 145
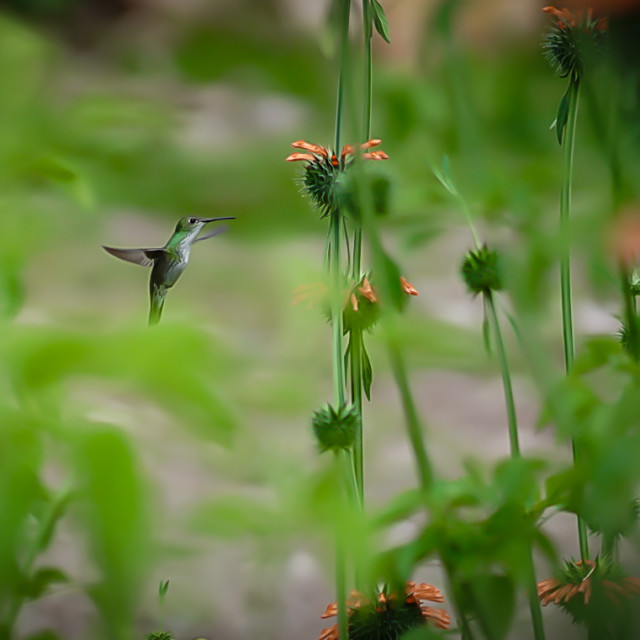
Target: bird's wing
x: 216, y: 232
x: 137, y: 256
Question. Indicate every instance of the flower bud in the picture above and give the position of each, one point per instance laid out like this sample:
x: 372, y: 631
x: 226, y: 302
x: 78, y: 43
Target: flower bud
x: 482, y: 272
x: 336, y: 428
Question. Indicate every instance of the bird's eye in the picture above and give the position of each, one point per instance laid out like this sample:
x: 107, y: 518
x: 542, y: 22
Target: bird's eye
x: 192, y: 220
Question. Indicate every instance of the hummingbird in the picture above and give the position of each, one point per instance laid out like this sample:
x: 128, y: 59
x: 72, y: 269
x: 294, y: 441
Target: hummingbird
x: 167, y: 263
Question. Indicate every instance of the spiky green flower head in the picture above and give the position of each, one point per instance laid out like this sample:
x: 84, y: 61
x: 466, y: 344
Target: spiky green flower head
x: 574, y: 41
x: 385, y: 619
x: 625, y: 336
x: 336, y: 429
x: 388, y: 615
x: 482, y: 271
x: 159, y: 635
x: 596, y: 593
x: 324, y: 172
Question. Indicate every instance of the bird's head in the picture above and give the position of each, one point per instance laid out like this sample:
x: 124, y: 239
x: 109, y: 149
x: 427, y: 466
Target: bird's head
x: 192, y: 224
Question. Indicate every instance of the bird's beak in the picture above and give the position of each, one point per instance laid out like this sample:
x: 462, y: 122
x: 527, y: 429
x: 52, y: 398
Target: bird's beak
x: 216, y: 219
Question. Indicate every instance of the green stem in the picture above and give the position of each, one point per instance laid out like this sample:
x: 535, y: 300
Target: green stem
x: 336, y: 309
x: 341, y: 572
x: 355, y: 362
x: 532, y: 591
x: 335, y: 233
x: 565, y: 268
x: 630, y: 316
x: 412, y: 420
x: 506, y: 376
x: 344, y: 63
x: 565, y: 232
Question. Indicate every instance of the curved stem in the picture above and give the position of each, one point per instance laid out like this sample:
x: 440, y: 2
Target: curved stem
x: 565, y: 268
x: 506, y: 376
x: 425, y: 473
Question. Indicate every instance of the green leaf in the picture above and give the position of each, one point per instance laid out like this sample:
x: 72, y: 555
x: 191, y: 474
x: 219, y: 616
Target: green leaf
x: 493, y: 598
x: 41, y: 580
x: 51, y: 517
x: 563, y: 114
x: 367, y: 373
x: 380, y: 20
x: 163, y: 587
x: 444, y: 176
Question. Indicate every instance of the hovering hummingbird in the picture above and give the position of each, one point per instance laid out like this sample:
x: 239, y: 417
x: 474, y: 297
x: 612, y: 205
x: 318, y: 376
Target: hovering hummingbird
x: 168, y: 262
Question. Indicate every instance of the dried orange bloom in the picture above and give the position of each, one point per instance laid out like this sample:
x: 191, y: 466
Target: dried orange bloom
x: 389, y: 616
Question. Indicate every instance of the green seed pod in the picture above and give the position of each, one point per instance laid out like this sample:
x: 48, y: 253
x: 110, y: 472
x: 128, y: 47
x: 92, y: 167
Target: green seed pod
x: 482, y: 271
x: 335, y: 428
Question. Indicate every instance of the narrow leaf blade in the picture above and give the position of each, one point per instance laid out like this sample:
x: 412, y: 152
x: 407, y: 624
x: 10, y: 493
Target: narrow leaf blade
x: 380, y: 21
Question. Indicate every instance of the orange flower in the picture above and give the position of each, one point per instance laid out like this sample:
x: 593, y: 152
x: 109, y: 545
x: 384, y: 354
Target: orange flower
x: 561, y: 591
x: 317, y: 153
x: 577, y: 18
x: 389, y: 616
x: 324, y: 168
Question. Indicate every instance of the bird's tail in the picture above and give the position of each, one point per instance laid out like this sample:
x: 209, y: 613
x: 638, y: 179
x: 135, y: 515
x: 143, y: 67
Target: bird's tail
x: 157, y: 304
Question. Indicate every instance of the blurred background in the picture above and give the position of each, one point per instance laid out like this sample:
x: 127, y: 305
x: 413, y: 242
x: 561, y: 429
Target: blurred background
x: 193, y: 441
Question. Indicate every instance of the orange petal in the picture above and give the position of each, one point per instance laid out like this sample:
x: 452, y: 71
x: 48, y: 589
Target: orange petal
x: 439, y: 617
x: 354, y: 301
x: 375, y: 155
x: 424, y: 591
x: 308, y: 146
x: 293, y: 157
x: 370, y: 143
x: 331, y: 610
x: 367, y: 291
x: 559, y: 595
x: 330, y: 633
x: 347, y: 150
x: 408, y: 288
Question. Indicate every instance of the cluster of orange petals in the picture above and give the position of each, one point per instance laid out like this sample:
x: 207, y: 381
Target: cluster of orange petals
x: 318, y: 292
x: 553, y: 590
x: 414, y: 594
x: 576, y: 17
x: 315, y: 152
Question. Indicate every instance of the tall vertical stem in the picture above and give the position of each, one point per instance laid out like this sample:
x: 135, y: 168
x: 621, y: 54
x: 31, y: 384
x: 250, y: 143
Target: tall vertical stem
x: 335, y: 234
x: 568, y: 142
x: 357, y: 346
x: 532, y: 591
